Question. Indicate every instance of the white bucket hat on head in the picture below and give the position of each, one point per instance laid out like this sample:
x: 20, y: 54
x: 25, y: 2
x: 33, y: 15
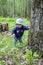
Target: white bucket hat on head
x: 19, y: 21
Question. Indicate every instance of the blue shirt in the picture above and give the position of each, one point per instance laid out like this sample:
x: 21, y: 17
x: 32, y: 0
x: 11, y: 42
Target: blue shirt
x: 19, y: 31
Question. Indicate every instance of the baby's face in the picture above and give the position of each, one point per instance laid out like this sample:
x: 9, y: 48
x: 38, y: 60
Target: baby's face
x: 19, y: 25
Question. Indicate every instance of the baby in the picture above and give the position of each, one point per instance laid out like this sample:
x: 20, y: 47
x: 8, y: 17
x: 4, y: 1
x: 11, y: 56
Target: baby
x: 18, y: 31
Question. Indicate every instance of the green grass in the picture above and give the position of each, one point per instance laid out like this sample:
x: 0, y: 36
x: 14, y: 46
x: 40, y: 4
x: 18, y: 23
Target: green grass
x: 12, y: 23
x: 6, y: 42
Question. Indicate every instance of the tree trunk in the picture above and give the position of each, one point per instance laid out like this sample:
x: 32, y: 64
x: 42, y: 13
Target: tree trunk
x: 28, y: 8
x: 4, y: 8
x: 5, y: 27
x: 35, y: 40
x: 1, y: 28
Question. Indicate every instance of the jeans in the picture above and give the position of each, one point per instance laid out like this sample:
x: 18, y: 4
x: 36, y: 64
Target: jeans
x: 17, y: 39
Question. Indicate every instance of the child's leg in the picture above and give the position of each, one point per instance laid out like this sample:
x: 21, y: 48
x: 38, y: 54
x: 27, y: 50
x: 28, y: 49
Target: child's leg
x: 20, y: 40
x: 15, y: 40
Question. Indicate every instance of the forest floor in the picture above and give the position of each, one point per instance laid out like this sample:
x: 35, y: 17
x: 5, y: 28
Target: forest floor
x: 20, y: 55
x: 9, y: 55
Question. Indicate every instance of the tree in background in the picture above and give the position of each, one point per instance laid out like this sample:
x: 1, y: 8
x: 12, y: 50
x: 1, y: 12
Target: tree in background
x: 13, y: 8
x: 4, y: 8
x: 35, y: 41
x: 28, y: 8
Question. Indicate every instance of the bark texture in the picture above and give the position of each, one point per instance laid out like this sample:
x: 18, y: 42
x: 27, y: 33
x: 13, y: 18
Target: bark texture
x: 35, y: 40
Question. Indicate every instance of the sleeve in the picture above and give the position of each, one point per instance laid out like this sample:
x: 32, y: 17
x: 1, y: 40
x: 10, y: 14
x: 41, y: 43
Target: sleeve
x: 26, y: 27
x: 13, y: 31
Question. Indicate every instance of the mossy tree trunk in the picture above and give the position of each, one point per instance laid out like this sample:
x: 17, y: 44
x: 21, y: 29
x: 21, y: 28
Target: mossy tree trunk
x: 28, y: 8
x: 35, y: 40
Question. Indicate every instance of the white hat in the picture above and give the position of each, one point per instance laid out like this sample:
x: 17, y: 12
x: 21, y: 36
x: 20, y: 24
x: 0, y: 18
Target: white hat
x: 19, y: 21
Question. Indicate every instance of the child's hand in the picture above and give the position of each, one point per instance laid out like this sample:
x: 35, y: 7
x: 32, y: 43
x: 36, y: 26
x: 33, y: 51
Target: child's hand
x: 28, y: 27
x: 13, y: 34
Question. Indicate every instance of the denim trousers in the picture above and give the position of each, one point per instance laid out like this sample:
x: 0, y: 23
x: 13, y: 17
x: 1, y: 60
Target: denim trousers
x: 17, y: 39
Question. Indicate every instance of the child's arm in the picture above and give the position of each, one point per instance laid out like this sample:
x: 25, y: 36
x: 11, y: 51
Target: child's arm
x: 26, y: 27
x: 13, y: 34
x: 13, y: 31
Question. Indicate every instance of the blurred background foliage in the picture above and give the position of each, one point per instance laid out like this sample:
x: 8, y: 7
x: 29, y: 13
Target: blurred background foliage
x: 11, y: 8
